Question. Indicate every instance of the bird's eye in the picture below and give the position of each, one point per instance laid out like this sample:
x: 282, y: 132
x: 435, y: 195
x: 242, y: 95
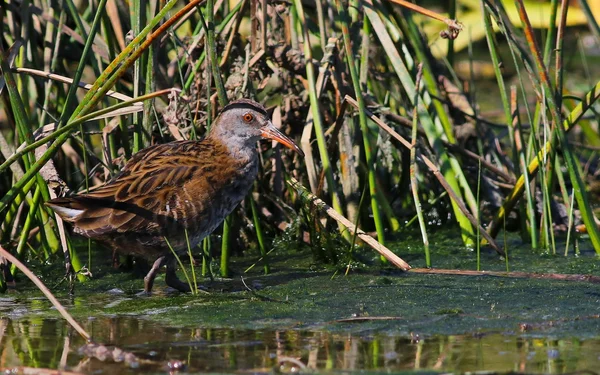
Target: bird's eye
x: 248, y: 117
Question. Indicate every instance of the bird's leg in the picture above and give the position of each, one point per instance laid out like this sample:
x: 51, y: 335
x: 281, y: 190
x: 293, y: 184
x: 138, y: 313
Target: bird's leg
x: 149, y: 279
x: 8, y: 277
x: 69, y: 272
x: 172, y: 280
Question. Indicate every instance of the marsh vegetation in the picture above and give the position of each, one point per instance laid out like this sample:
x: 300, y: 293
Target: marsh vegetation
x: 477, y: 117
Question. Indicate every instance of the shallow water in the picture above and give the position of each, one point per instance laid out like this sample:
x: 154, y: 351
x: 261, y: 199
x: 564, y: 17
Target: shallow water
x: 42, y: 342
x: 376, y: 319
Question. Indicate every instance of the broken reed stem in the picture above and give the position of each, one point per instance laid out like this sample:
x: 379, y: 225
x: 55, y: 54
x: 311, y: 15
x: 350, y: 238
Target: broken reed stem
x: 69, y: 81
x: 47, y: 293
x: 234, y: 31
x: 436, y: 172
x: 423, y: 11
x: 318, y: 203
x: 454, y: 27
x: 521, y: 275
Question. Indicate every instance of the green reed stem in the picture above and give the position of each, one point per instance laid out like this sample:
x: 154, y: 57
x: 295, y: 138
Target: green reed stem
x: 206, y: 257
x: 570, y: 225
x: 85, y: 54
x: 212, y: 53
x: 574, y: 117
x: 413, y: 172
x: 259, y: 235
x: 225, y: 247
x: 525, y: 154
x: 138, y: 18
x: 206, y: 243
x: 356, y: 221
x: 512, y: 121
x: 554, y: 37
x: 222, y: 96
x: 72, y: 10
x: 321, y: 19
x: 448, y: 165
x: 317, y: 120
x: 362, y: 118
x: 592, y: 23
x: 128, y: 56
x: 451, y: 15
x: 194, y: 286
x: 561, y: 183
x: 478, y: 249
x: 529, y: 193
x: 29, y: 220
x: 200, y: 61
x: 148, y: 105
x: 573, y: 167
x: 185, y: 274
x: 505, y: 242
x: 53, y: 43
x: 25, y: 134
x: 551, y: 34
x: 491, y: 42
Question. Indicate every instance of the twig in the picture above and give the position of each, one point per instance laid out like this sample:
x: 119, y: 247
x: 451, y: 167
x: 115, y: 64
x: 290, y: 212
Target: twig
x: 454, y: 27
x: 47, y: 293
x: 232, y: 34
x: 67, y: 80
x: 519, y: 275
x: 361, y: 319
x: 387, y: 253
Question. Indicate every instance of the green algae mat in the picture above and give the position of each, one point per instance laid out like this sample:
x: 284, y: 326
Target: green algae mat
x: 308, y: 318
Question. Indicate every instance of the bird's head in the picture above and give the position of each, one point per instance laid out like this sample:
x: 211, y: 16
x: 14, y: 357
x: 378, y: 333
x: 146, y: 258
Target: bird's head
x: 244, y: 122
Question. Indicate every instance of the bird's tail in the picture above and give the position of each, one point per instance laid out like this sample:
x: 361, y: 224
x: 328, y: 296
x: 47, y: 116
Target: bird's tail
x: 67, y: 208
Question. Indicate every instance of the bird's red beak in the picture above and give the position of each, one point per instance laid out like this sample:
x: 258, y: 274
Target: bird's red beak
x: 271, y: 132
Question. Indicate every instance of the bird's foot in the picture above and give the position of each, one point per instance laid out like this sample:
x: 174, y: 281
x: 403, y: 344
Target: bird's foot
x: 173, y: 281
x: 149, y: 279
x: 143, y: 293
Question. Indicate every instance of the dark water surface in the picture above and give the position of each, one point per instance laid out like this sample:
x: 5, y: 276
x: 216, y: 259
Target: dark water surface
x: 42, y: 342
x: 303, y: 317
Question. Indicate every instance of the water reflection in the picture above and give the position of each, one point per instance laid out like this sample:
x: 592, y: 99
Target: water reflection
x: 49, y: 343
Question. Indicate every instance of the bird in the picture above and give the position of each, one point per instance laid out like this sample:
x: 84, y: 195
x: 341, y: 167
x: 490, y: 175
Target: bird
x: 172, y: 194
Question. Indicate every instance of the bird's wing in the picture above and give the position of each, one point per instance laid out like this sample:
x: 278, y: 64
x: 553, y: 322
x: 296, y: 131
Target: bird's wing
x: 152, y: 192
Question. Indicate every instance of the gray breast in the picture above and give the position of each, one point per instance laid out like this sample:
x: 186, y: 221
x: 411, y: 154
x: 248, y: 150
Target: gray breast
x: 227, y: 199
x: 237, y: 188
